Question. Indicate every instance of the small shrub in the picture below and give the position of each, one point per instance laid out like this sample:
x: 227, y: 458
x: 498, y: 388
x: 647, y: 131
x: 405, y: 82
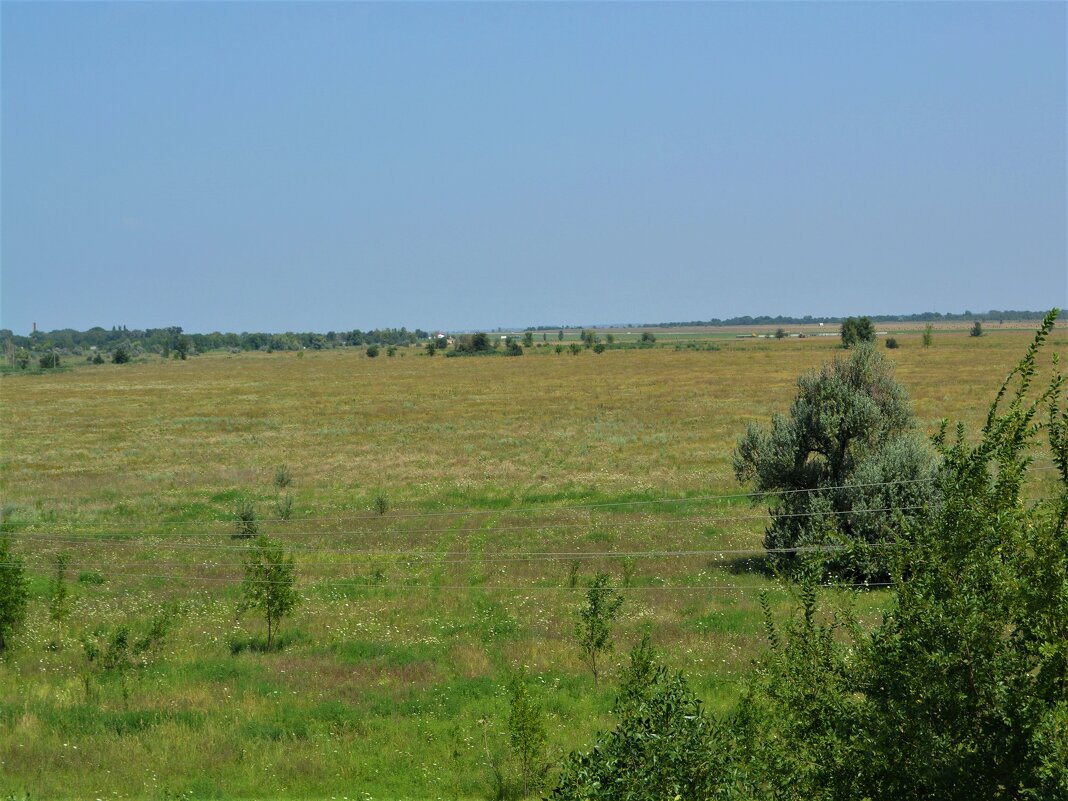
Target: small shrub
x: 572, y: 574
x: 283, y: 506
x: 49, y: 361
x: 245, y: 525
x: 629, y: 566
x: 575, y: 348
x: 90, y: 577
x: 648, y: 337
x: 559, y: 348
x: 977, y: 329
x: 120, y: 356
x: 891, y: 343
x: 928, y: 335
x: 391, y: 351
x: 98, y: 358
x: 431, y: 348
x: 381, y: 504
x: 598, y: 348
x: 780, y: 333
x: 372, y: 351
x: 514, y: 349
x: 283, y: 477
x: 58, y: 596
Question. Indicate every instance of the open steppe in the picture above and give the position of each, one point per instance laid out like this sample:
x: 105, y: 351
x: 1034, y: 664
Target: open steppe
x: 498, y: 475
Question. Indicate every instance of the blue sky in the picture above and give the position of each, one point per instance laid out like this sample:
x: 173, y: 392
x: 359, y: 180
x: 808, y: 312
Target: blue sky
x: 328, y: 166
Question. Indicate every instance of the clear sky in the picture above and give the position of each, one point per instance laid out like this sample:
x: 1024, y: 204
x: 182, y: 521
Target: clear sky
x: 329, y: 166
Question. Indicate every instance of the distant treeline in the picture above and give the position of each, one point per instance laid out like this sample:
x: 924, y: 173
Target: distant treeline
x: 994, y: 315
x: 165, y: 341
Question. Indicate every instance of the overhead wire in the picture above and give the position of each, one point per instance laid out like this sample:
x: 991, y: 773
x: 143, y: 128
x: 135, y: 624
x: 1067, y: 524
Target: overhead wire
x: 546, y: 509
x: 113, y: 536
x: 456, y: 512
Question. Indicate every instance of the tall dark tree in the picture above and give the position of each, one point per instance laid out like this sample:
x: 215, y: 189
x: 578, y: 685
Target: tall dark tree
x: 856, y: 331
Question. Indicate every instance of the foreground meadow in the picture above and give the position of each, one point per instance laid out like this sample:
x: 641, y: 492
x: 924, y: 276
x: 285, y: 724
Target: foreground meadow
x: 445, y: 516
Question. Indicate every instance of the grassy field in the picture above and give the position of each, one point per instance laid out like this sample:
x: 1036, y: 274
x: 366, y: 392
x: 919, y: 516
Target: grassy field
x: 391, y: 684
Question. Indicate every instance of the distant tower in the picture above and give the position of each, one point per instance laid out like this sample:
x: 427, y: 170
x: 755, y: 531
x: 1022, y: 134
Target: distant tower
x: 35, y: 328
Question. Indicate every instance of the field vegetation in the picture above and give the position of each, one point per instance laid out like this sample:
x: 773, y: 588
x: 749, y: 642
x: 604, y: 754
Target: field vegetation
x: 445, y: 519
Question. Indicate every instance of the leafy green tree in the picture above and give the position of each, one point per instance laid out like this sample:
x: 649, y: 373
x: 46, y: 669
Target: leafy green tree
x: 977, y: 329
x: 528, y: 339
x: 843, y: 468
x: 514, y: 349
x: 594, y: 626
x: 856, y: 331
x: 372, y: 351
x: 526, y: 735
x: 928, y: 335
x: 648, y: 337
x: 14, y: 592
x: 560, y: 335
x: 120, y: 356
x: 268, y: 584
x: 22, y: 358
x: 478, y: 342
x: 780, y: 333
x: 598, y: 348
x: 49, y: 360
x: 181, y: 345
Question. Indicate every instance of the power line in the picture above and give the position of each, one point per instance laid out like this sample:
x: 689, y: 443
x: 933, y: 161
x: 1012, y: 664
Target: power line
x: 760, y: 516
x: 511, y: 588
x: 572, y: 507
x: 551, y: 509
x: 546, y: 556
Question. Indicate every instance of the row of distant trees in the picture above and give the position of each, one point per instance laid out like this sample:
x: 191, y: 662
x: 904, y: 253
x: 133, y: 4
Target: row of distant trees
x: 992, y: 316
x: 174, y: 341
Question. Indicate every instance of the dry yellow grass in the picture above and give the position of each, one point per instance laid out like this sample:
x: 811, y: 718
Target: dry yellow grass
x: 399, y: 653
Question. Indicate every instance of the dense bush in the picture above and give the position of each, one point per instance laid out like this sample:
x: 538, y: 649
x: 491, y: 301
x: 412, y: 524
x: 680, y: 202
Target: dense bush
x: 891, y: 343
x: 842, y: 469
